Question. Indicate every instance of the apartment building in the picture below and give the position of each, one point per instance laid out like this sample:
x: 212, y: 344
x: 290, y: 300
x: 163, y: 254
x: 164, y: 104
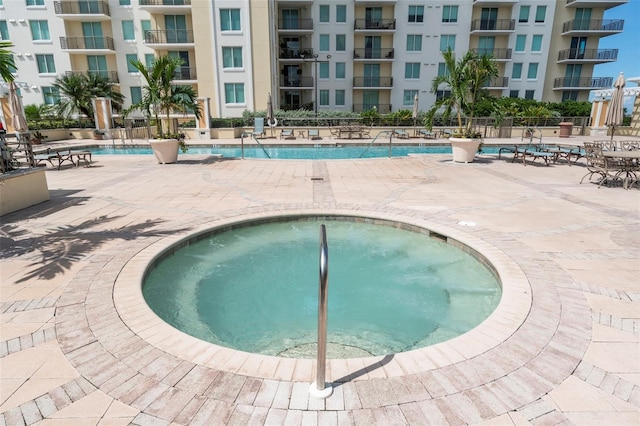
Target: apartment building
x: 349, y: 55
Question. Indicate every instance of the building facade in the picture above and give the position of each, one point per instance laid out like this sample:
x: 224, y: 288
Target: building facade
x: 349, y: 55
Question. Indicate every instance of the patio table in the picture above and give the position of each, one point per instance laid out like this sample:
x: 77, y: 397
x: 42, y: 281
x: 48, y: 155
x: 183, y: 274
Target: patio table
x: 628, y: 163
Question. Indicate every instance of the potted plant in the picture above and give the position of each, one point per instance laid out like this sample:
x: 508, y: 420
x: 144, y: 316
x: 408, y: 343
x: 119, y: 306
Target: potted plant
x: 160, y: 95
x: 465, y: 79
x: 37, y: 137
x: 97, y: 134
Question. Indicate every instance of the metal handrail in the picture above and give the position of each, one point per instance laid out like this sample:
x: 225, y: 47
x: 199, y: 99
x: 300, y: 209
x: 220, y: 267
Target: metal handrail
x: 323, y: 292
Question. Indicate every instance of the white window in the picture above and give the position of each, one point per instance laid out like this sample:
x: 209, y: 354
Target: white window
x: 230, y: 20
x: 46, y: 64
x: 234, y: 93
x: 416, y: 13
x: 232, y: 57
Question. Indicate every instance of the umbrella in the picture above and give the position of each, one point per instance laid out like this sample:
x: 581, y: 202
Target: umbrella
x: 615, y: 113
x: 271, y: 121
x: 18, y: 121
x: 415, y: 110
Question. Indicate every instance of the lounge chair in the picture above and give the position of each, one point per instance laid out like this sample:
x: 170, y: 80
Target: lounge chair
x: 533, y: 152
x: 313, y: 134
x: 287, y: 134
x: 258, y: 128
x: 428, y: 134
x: 401, y: 133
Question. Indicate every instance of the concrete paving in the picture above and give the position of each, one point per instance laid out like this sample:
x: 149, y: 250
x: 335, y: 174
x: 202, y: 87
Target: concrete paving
x: 79, y: 347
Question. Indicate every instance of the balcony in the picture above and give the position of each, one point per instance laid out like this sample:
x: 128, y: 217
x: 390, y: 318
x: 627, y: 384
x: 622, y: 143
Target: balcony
x: 112, y: 76
x: 297, y: 82
x: 379, y: 25
x: 585, y: 83
x: 494, y: 3
x: 167, y: 7
x: 594, y: 56
x: 381, y: 108
x: 496, y: 54
x: 87, y: 44
x: 159, y: 39
x: 86, y: 11
x: 372, y: 82
x: 297, y: 54
x: 607, y: 4
x: 493, y: 26
x: 497, y: 83
x: 302, y: 25
x: 586, y: 27
x: 383, y: 53
x: 185, y: 74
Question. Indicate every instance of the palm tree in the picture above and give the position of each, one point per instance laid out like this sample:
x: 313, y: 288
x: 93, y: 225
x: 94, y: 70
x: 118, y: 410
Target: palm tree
x: 79, y: 89
x: 160, y: 94
x: 7, y: 63
x: 465, y: 78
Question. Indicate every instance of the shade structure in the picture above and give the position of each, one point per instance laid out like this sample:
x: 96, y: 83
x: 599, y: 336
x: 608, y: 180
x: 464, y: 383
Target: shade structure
x: 18, y: 120
x: 415, y: 107
x: 615, y: 113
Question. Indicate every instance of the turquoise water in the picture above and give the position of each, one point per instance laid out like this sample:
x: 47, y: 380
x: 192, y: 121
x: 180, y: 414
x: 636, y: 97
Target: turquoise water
x: 256, y: 289
x: 298, y: 152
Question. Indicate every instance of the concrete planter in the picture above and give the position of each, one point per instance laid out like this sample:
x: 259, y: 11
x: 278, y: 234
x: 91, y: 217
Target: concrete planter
x: 20, y: 189
x: 464, y: 149
x: 165, y: 150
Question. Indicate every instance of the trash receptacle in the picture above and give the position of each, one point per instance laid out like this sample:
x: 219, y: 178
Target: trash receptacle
x: 566, y: 128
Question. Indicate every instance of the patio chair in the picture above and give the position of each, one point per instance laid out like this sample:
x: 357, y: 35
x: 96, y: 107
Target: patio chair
x: 258, y: 128
x: 313, y: 134
x: 428, y: 134
x: 533, y: 152
x: 401, y: 133
x: 287, y: 134
x: 597, y: 164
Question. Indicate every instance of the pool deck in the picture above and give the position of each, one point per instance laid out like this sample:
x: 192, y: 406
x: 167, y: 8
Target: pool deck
x: 78, y: 348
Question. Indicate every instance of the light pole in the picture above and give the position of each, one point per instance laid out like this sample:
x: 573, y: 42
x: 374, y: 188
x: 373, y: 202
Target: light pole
x: 314, y: 58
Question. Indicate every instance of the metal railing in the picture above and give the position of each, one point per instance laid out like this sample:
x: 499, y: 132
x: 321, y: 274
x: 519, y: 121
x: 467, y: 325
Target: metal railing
x: 583, y: 82
x: 606, y: 25
x: 186, y: 73
x: 372, y: 82
x: 588, y: 54
x: 295, y: 24
x: 93, y: 7
x: 296, y: 82
x: 493, y: 25
x: 497, y: 82
x: 374, y: 53
x: 86, y: 43
x: 168, y: 36
x: 380, y: 24
x: 112, y: 76
x: 164, y: 2
x: 381, y: 108
x: 288, y: 53
x: 499, y: 54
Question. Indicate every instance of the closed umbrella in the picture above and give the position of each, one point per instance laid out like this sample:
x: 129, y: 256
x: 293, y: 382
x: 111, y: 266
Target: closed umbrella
x: 18, y: 121
x: 271, y: 120
x: 415, y: 111
x: 615, y: 113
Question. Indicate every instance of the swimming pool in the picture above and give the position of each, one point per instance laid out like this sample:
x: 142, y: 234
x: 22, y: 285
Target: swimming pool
x: 254, y: 288
x: 319, y: 152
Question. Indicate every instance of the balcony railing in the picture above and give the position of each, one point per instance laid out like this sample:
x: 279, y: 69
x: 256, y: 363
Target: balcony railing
x: 493, y: 25
x: 588, y: 55
x: 374, y: 53
x: 498, y: 54
x: 295, y: 24
x: 296, y: 82
x: 380, y: 24
x: 596, y: 25
x: 288, y: 53
x: 583, y: 82
x: 86, y: 43
x: 90, y: 7
x: 497, y: 82
x: 381, y: 108
x: 168, y: 36
x: 186, y: 73
x: 372, y: 81
x: 112, y: 76
x: 164, y: 2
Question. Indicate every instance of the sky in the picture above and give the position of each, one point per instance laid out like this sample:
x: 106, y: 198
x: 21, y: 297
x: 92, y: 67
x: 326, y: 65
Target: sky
x: 628, y: 44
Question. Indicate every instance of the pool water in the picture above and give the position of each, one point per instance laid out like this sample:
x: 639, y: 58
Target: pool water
x: 298, y: 152
x: 256, y: 289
